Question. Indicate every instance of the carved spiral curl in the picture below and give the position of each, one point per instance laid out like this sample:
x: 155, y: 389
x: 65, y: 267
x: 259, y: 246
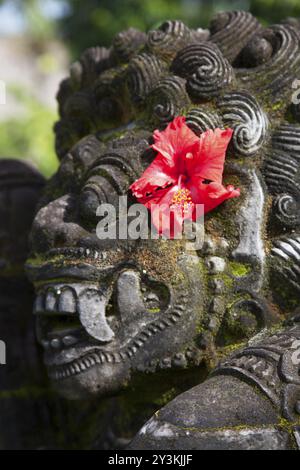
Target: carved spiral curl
x: 168, y: 98
x: 244, y: 115
x: 287, y: 249
x: 275, y: 76
x: 127, y: 43
x: 169, y: 38
x: 143, y: 73
x: 80, y: 104
x: 205, y: 68
x: 92, y: 62
x: 226, y: 27
x: 287, y: 209
x: 295, y: 108
x: 287, y: 138
x: 257, y: 52
x: 281, y: 170
x: 200, y: 120
x: 64, y: 92
x: 67, y: 133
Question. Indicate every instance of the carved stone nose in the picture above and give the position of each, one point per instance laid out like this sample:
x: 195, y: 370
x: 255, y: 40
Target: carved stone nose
x: 55, y: 224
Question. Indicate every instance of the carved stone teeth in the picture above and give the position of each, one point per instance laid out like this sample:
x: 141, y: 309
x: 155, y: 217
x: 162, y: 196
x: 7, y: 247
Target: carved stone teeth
x: 166, y: 361
x: 138, y: 343
x: 109, y: 358
x: 77, y: 366
x: 56, y: 343
x: 67, y: 301
x: 129, y: 353
x: 179, y: 360
x: 180, y: 307
x: 69, y: 340
x: 39, y: 304
x: 102, y: 357
x: 67, y: 372
x: 146, y: 334
x: 133, y: 349
x: 50, y: 302
x: 84, y: 364
x: 96, y: 358
x: 177, y: 314
x: 116, y: 358
x: 173, y: 318
x: 45, y: 343
x: 161, y: 326
x: 153, y: 329
x: 122, y: 355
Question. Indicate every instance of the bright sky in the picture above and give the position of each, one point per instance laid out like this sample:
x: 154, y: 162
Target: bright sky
x: 11, y: 19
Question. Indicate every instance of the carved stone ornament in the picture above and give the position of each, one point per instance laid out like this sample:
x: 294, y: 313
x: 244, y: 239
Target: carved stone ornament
x: 145, y: 320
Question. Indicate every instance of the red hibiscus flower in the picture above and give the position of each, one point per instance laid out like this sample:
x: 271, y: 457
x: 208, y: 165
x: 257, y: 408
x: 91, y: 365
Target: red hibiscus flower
x: 187, y: 171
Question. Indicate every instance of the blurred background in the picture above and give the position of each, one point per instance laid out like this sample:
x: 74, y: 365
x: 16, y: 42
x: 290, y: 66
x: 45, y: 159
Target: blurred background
x: 39, y: 39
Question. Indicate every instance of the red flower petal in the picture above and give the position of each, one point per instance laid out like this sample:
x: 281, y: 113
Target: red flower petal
x: 183, y: 162
x: 158, y: 175
x: 212, y: 194
x: 208, y: 162
x: 175, y: 141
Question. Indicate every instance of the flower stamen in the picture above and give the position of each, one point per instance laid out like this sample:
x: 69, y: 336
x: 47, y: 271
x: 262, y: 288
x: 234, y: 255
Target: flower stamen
x: 182, y: 199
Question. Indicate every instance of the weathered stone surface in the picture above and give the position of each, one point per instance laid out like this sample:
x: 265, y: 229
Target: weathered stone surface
x: 250, y: 402
x: 148, y: 319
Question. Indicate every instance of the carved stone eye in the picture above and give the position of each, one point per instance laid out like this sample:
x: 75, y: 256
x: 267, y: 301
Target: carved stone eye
x: 287, y: 209
x: 90, y: 200
x: 98, y: 190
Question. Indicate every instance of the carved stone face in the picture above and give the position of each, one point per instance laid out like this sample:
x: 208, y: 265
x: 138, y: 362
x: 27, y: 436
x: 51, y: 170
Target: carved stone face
x: 106, y: 310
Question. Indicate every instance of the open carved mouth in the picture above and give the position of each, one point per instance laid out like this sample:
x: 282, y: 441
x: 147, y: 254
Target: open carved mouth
x: 86, y: 322
x: 73, y: 320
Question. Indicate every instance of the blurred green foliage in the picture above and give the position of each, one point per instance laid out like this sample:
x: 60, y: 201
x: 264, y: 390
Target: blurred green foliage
x: 82, y: 24
x: 96, y: 21
x: 30, y: 135
x: 92, y: 22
